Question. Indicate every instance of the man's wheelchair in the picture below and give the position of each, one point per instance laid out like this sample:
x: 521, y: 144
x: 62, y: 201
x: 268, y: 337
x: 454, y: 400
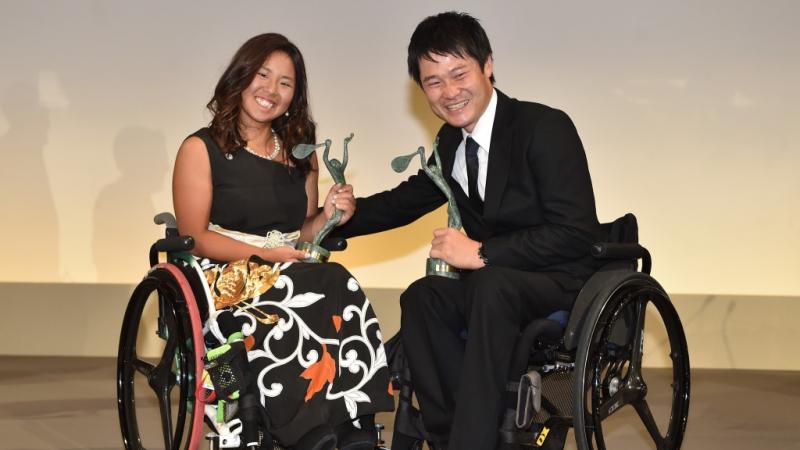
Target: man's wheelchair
x: 170, y: 306
x: 578, y: 369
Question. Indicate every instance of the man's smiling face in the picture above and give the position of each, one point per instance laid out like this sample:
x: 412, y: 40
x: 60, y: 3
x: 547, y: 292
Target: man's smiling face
x: 458, y: 89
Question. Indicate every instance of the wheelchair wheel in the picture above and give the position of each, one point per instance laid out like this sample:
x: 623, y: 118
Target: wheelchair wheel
x: 609, y: 373
x: 161, y: 388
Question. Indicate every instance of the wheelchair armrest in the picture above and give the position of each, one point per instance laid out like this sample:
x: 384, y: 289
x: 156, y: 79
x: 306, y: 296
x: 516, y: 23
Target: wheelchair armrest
x: 174, y: 244
x: 169, y: 245
x: 334, y: 244
x: 613, y: 250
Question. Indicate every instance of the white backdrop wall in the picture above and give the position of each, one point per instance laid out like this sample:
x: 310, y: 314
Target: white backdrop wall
x: 688, y: 112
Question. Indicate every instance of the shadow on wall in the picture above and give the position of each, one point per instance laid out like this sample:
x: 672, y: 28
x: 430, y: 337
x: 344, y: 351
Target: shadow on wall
x: 124, y: 210
x: 30, y: 223
x: 382, y: 247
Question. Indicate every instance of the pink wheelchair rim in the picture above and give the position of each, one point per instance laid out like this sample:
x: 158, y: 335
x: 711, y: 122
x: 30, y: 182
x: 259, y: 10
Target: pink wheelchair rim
x: 199, y: 346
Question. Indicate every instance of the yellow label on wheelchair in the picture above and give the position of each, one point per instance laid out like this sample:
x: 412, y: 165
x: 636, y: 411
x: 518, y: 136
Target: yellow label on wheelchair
x: 542, y: 436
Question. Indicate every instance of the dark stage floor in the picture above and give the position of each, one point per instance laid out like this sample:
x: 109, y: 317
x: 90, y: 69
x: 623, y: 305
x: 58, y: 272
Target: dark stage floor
x: 70, y: 403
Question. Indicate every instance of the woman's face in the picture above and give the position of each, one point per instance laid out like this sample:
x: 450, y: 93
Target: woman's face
x: 270, y: 92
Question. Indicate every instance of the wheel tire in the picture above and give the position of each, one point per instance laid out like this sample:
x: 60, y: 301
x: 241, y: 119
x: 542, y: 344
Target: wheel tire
x: 180, y: 364
x: 608, y: 365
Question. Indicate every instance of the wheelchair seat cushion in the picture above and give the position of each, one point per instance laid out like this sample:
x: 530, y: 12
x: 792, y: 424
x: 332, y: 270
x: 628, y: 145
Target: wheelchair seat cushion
x: 560, y: 317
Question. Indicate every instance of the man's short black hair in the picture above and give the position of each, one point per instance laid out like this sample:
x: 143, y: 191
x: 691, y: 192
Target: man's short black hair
x: 448, y: 33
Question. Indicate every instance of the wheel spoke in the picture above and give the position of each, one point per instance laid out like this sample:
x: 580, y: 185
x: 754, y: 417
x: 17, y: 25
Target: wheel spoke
x: 143, y: 367
x: 167, y: 358
x: 162, y: 379
x: 165, y: 408
x: 638, y: 337
x: 643, y: 410
x: 180, y: 377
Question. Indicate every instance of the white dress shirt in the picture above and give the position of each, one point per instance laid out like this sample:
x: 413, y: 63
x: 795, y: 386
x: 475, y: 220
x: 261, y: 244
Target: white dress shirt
x: 482, y: 134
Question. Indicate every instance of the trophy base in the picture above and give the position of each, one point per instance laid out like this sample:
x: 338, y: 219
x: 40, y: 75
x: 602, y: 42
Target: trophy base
x: 316, y: 254
x: 435, y: 266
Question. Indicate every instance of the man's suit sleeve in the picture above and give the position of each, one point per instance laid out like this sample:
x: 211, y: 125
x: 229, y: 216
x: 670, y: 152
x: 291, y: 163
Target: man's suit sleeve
x: 394, y: 208
x: 558, y: 165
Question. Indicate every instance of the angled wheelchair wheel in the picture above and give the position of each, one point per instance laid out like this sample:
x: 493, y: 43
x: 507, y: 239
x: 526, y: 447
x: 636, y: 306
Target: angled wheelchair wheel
x: 156, y: 391
x: 617, y: 397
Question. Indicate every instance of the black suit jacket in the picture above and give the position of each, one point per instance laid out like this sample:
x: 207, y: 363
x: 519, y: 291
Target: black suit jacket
x: 539, y: 211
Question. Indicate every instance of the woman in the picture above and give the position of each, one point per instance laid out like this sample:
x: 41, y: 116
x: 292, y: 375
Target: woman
x: 316, y: 361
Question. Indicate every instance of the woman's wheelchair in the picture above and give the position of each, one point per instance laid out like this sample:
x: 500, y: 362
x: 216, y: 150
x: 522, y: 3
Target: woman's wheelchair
x: 172, y: 305
x: 578, y: 369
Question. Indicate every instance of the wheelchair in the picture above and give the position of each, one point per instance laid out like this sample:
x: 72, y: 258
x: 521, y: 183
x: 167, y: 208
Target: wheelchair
x: 157, y: 397
x: 578, y: 369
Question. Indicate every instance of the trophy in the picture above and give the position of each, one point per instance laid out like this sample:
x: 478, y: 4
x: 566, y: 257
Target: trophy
x: 435, y: 266
x: 336, y: 168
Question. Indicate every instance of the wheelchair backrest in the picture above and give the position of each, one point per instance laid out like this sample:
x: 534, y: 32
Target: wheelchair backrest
x: 624, y: 230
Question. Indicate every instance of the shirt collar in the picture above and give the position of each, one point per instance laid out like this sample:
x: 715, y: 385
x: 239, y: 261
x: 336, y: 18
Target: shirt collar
x: 482, y: 133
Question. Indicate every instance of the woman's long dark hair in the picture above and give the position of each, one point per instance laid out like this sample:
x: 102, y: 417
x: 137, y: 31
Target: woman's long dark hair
x: 226, y: 105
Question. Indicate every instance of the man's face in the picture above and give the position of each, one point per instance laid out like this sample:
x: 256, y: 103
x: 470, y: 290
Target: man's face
x: 458, y: 89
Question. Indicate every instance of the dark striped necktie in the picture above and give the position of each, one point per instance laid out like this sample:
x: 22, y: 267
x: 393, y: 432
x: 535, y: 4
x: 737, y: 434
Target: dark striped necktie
x: 472, y: 173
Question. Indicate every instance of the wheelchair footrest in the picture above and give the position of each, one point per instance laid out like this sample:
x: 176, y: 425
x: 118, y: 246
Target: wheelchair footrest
x: 217, y: 442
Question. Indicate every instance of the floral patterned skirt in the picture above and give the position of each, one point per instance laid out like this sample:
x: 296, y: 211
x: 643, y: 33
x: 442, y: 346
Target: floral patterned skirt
x: 314, y: 345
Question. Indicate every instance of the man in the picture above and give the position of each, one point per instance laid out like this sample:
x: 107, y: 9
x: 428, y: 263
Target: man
x: 521, y: 181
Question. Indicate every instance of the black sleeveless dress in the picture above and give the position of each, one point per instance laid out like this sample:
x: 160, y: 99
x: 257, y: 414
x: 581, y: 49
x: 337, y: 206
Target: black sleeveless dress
x: 322, y: 360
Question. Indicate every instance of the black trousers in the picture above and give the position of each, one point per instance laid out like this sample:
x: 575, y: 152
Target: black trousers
x: 459, y: 337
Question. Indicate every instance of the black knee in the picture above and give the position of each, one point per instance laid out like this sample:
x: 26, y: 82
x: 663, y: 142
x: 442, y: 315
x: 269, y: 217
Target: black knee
x: 415, y: 296
x: 488, y: 290
x: 487, y: 278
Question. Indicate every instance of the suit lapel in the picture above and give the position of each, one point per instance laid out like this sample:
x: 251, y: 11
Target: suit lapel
x: 499, y: 159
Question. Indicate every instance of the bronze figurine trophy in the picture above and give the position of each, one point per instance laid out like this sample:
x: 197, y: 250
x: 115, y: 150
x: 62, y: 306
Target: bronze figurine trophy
x: 435, y: 266
x: 336, y: 168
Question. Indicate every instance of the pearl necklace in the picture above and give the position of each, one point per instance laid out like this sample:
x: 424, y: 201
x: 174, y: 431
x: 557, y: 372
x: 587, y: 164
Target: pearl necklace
x: 276, y: 147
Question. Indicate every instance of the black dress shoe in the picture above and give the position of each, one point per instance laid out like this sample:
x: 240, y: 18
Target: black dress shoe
x: 319, y: 438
